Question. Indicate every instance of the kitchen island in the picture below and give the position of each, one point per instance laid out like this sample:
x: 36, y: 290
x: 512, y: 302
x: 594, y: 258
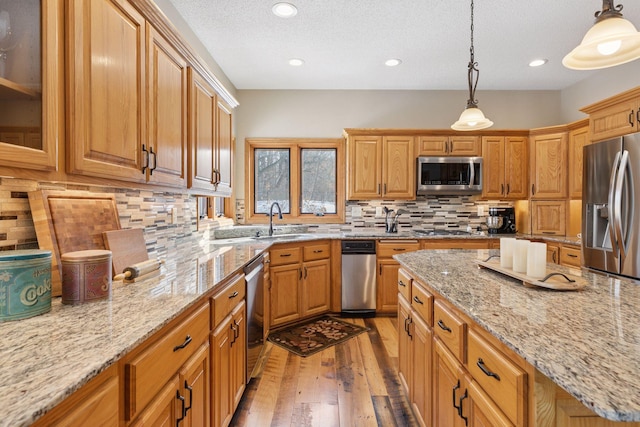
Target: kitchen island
x: 587, y: 341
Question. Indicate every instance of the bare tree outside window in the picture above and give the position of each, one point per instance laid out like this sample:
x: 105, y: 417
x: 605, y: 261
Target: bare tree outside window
x: 318, y: 187
x: 272, y: 179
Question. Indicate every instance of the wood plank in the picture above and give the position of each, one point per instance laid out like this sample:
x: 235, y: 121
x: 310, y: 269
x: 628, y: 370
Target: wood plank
x: 389, y: 335
x: 286, y: 394
x: 384, y: 411
x: 371, y: 366
x: 127, y: 247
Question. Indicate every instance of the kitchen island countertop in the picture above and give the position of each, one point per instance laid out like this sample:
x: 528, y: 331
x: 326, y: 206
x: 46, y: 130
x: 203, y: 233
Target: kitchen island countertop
x: 587, y: 342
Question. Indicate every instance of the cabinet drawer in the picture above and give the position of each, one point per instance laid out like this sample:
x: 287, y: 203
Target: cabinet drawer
x: 422, y: 302
x: 500, y: 378
x: 388, y: 248
x: 225, y: 301
x: 282, y: 256
x: 404, y: 284
x: 148, y: 372
x: 316, y: 251
x: 570, y: 256
x: 450, y: 329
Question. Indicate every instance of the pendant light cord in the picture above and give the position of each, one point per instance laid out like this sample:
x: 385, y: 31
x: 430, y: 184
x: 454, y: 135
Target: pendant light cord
x: 472, y: 102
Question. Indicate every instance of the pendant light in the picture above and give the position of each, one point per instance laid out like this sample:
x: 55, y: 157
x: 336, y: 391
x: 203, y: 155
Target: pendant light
x: 611, y: 41
x: 472, y: 117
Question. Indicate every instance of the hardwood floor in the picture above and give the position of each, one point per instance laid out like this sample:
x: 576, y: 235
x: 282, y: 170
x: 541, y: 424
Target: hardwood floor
x: 354, y: 383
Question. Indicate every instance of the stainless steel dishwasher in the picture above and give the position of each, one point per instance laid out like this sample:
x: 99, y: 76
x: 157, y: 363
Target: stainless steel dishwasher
x: 359, y: 278
x: 253, y: 274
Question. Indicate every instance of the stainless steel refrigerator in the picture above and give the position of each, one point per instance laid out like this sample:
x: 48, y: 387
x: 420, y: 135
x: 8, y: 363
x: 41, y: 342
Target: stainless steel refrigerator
x: 611, y: 207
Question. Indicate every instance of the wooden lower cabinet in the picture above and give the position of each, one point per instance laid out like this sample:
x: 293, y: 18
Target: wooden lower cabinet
x: 448, y: 383
x: 549, y: 217
x: 421, y: 343
x: 387, y: 279
x: 300, y: 279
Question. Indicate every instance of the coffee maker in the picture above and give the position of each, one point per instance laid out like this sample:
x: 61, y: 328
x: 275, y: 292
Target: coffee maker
x: 501, y: 221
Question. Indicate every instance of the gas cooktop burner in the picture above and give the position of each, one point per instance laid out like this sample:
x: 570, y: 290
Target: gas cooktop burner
x: 443, y: 232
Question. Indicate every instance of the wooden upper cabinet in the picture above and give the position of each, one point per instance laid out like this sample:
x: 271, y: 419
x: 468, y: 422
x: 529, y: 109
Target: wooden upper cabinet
x: 449, y: 146
x: 578, y: 138
x: 167, y: 107
x: 549, y: 217
x: 202, y: 137
x: 106, y: 80
x: 224, y: 152
x: 380, y: 167
x: 398, y: 168
x: 23, y: 144
x: 505, y: 167
x: 549, y: 166
x: 614, y: 116
x: 364, y: 168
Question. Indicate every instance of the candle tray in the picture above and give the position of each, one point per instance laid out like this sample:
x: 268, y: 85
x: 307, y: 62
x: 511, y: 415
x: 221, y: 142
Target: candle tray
x: 553, y: 280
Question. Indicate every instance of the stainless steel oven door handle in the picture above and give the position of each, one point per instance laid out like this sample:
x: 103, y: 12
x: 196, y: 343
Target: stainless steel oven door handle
x: 472, y: 174
x: 610, y: 205
x: 624, y: 164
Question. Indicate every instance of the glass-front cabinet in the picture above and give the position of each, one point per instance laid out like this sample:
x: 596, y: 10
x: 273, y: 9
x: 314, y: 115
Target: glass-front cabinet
x: 31, y: 85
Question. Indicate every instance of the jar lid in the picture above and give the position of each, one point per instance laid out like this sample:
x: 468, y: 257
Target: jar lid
x: 88, y: 255
x: 25, y: 254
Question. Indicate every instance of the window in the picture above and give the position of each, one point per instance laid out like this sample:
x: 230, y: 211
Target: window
x: 302, y: 175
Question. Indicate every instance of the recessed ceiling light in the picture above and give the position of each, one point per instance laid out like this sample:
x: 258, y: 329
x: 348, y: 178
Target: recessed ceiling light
x: 284, y: 10
x: 392, y: 62
x: 537, y: 62
x: 296, y: 62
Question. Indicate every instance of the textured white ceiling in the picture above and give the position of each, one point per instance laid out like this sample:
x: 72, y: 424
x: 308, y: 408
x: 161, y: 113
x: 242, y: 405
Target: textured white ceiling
x: 345, y: 42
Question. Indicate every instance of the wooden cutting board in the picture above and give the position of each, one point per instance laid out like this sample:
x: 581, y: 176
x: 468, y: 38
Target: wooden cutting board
x: 68, y: 221
x: 128, y: 247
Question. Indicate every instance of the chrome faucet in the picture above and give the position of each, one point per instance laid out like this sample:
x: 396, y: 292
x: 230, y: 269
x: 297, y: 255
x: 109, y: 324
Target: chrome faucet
x: 271, y: 216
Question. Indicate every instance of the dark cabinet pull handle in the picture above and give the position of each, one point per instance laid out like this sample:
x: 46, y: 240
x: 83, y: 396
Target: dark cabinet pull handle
x: 305, y: 272
x: 572, y: 255
x: 182, y: 413
x: 453, y: 397
x: 146, y: 158
x: 285, y: 255
x: 464, y: 396
x: 533, y: 189
x: 233, y: 328
x: 401, y: 283
x: 501, y: 188
x: 486, y: 371
x: 631, y: 117
x: 155, y: 161
x: 190, y: 389
x: 508, y: 189
x: 380, y: 269
x: 379, y: 189
x: 443, y: 326
x: 399, y: 249
x: 186, y: 342
x: 638, y: 114
x: 233, y: 295
x: 408, y: 323
x: 549, y: 232
x: 416, y: 299
x: 318, y: 251
x: 553, y: 257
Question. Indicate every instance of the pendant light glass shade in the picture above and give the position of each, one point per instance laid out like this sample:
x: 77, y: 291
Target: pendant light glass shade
x: 472, y: 118
x: 611, y: 41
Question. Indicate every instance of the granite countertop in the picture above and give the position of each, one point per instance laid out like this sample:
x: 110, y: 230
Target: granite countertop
x: 46, y: 358
x: 588, y: 341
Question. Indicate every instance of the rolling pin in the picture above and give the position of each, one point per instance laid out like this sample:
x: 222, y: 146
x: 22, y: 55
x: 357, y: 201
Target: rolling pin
x: 139, y: 269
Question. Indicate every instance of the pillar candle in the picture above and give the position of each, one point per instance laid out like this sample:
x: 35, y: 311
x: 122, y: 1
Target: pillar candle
x: 506, y: 251
x: 537, y: 260
x: 520, y: 256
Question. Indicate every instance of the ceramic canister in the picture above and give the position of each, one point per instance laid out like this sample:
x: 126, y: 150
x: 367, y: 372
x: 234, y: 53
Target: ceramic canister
x: 86, y: 276
x: 25, y: 284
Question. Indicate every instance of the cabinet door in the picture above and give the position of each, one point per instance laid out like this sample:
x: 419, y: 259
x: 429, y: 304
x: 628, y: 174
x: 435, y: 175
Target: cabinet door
x: 578, y: 138
x: 238, y: 354
x: 224, y: 151
x: 433, y: 145
x: 421, y: 344
x: 482, y: 411
x: 165, y: 409
x: 40, y: 149
x: 107, y: 102
x: 194, y: 383
x: 202, y: 102
x: 465, y: 146
x: 493, y: 176
x: 549, y: 173
x: 398, y: 168
x: 364, y: 168
x: 221, y: 375
x: 404, y: 344
x: 516, y: 167
x: 549, y: 217
x: 448, y: 388
x: 553, y: 254
x: 616, y: 120
x: 387, y: 286
x: 316, y: 287
x: 167, y: 107
x: 284, y: 293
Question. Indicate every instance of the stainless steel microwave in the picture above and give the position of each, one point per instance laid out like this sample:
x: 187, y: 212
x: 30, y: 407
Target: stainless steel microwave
x: 449, y: 175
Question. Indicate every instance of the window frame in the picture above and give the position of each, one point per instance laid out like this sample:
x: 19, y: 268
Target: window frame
x: 295, y: 177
